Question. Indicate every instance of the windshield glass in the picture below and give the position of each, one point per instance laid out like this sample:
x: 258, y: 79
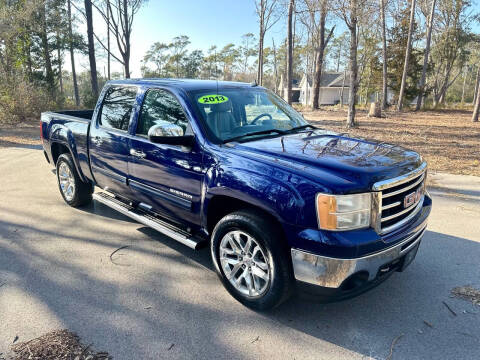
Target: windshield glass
x: 233, y: 113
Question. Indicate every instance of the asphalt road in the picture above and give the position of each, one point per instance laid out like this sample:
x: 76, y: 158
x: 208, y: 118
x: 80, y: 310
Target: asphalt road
x: 56, y: 273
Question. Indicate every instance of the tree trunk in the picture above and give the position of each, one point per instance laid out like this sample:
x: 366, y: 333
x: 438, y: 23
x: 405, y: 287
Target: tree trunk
x: 91, y: 48
x: 463, y: 86
x: 59, y: 55
x: 320, y: 55
x: 384, y: 53
x: 421, y: 87
x: 343, y: 88
x: 275, y: 73
x: 476, y: 109
x: 407, y: 57
x: 352, y: 96
x: 126, y: 55
x: 50, y: 78
x: 108, y: 41
x: 260, y: 62
x: 477, y: 85
x: 261, y: 35
x: 72, y: 55
x: 290, y: 51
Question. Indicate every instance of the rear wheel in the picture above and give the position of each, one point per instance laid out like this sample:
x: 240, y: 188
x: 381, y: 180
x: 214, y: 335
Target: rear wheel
x: 74, y: 191
x: 252, y: 260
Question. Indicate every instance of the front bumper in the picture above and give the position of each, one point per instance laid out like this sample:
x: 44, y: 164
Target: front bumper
x: 334, y: 273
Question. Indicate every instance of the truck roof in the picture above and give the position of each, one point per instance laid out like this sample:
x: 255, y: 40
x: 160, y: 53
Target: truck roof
x: 185, y: 84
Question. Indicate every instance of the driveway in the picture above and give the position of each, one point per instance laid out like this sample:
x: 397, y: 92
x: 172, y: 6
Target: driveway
x: 161, y: 299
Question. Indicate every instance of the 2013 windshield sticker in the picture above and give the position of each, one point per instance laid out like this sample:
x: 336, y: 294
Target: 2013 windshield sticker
x: 212, y: 99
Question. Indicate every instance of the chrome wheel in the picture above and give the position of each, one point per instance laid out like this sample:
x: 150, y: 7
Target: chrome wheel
x: 244, y: 263
x: 67, y: 181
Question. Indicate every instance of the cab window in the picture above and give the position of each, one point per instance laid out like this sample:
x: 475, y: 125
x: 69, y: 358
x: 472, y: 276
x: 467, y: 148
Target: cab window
x: 160, y: 107
x: 117, y: 107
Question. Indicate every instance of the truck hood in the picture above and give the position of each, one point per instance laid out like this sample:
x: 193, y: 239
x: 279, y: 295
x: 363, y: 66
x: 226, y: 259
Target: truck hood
x: 329, y: 157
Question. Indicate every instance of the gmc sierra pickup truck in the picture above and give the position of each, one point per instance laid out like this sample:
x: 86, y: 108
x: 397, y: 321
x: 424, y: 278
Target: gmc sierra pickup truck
x: 282, y: 204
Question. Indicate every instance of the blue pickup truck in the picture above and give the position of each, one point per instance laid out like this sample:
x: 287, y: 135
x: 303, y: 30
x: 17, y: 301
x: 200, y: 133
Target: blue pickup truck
x: 283, y: 204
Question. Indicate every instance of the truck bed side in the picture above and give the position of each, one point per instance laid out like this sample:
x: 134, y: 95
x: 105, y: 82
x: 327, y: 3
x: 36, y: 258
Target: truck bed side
x: 68, y: 130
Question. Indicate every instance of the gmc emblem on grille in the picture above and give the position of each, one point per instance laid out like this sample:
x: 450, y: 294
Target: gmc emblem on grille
x: 412, y: 198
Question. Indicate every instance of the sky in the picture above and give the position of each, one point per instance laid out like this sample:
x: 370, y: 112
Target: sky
x: 206, y: 23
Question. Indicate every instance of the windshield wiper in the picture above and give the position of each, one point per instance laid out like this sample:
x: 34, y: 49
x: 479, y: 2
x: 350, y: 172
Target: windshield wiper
x: 302, y: 127
x: 262, y: 132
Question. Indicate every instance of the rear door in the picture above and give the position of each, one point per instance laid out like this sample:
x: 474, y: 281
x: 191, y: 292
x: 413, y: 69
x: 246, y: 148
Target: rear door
x: 167, y: 178
x: 109, y: 140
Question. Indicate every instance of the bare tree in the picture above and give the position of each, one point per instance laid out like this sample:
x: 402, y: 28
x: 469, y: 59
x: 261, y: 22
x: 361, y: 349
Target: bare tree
x: 72, y: 55
x: 426, y: 54
x: 313, y: 17
x: 119, y: 16
x: 349, y: 10
x: 267, y: 17
x: 291, y: 6
x: 465, y: 73
x: 320, y: 52
x: 275, y: 65
x: 108, y: 42
x: 91, y: 48
x: 476, y: 108
x: 408, y: 51
x: 477, y: 84
x: 384, y: 55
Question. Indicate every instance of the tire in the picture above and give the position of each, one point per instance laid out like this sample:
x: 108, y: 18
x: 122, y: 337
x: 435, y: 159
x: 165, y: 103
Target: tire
x: 272, y: 260
x: 75, y: 192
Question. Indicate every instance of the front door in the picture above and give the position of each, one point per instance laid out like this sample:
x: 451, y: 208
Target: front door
x: 166, y: 177
x: 109, y: 140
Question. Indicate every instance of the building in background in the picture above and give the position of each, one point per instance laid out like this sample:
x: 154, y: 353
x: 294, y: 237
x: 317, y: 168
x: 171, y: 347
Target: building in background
x: 332, y: 86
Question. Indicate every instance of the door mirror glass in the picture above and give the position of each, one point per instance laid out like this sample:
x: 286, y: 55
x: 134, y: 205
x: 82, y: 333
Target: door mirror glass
x: 164, y: 128
x: 169, y: 134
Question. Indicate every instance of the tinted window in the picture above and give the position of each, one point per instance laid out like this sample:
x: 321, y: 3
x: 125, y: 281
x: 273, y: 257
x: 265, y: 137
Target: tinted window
x: 234, y: 112
x: 117, y: 107
x: 160, y: 107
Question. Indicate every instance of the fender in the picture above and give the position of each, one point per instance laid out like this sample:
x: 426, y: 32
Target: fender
x: 279, y: 199
x: 63, y: 135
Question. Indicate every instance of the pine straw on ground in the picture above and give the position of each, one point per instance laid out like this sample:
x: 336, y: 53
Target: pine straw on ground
x: 447, y: 139
x: 56, y: 345
x: 467, y: 293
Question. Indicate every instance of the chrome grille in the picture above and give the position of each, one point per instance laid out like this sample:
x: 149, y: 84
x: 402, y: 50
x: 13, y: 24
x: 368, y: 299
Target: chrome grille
x: 400, y: 199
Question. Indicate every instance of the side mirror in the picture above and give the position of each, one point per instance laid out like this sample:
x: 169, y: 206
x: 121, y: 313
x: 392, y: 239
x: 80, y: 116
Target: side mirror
x: 170, y: 134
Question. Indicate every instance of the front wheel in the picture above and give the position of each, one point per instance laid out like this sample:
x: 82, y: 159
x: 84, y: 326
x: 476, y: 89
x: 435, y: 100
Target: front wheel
x: 74, y: 191
x: 251, y: 259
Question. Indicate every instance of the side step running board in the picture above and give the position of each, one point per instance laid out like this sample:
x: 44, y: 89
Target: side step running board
x: 148, y: 220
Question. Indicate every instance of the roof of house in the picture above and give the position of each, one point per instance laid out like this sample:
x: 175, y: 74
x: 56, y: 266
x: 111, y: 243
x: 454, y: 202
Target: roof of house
x: 329, y: 79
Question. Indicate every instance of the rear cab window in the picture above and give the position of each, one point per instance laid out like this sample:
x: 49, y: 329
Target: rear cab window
x: 117, y: 107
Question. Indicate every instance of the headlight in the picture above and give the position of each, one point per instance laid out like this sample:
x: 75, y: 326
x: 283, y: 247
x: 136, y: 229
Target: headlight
x: 343, y: 212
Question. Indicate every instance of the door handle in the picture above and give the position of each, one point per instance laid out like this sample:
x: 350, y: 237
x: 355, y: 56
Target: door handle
x: 137, y: 153
x: 97, y: 140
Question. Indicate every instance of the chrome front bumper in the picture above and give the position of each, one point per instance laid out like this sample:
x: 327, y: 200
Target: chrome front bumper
x: 332, y: 272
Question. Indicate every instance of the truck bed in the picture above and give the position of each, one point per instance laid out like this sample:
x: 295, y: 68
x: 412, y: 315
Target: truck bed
x: 83, y: 114
x: 70, y: 128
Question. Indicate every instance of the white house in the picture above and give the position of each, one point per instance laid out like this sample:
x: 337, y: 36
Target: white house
x: 332, y: 86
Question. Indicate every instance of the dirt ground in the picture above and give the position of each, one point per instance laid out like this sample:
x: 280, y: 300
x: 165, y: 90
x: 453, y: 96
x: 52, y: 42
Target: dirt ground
x: 447, y: 139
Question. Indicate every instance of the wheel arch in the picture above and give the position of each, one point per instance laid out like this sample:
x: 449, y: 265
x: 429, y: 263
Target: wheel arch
x: 58, y: 148
x: 222, y: 205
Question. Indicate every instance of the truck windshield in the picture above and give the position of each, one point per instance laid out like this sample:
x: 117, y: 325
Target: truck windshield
x: 245, y: 114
